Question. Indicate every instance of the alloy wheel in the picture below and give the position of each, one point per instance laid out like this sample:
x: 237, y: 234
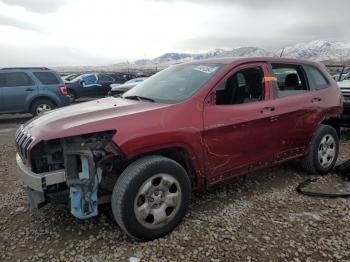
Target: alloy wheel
x: 157, y: 201
x: 326, y: 150
x: 43, y: 108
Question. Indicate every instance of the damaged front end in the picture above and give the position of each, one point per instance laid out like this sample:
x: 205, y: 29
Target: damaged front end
x: 86, y: 157
x: 88, y: 161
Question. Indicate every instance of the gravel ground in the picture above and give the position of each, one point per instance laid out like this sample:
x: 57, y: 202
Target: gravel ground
x: 259, y: 217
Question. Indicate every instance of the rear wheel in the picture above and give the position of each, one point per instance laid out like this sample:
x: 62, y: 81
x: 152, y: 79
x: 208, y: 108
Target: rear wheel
x: 151, y: 197
x: 323, y: 151
x: 40, y: 106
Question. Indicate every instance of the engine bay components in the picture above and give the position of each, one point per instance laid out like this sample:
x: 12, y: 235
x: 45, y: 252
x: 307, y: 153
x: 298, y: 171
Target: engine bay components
x: 83, y: 157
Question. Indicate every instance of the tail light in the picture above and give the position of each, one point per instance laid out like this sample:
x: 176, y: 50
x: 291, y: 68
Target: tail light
x: 63, y: 90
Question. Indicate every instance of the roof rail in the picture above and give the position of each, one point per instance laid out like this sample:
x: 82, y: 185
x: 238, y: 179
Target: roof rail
x: 25, y: 68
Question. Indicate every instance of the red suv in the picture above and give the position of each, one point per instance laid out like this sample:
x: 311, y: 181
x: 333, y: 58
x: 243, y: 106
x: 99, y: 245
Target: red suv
x: 190, y: 126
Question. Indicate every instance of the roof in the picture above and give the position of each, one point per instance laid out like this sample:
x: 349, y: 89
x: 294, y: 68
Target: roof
x: 240, y: 60
x: 25, y: 68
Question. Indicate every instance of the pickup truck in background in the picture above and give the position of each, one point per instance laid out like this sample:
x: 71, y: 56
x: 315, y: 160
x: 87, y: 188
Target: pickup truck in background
x: 345, y: 88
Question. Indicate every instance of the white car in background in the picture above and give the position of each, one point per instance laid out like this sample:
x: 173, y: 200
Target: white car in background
x: 118, y: 89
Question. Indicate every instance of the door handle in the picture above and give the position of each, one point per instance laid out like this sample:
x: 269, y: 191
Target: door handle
x: 29, y: 89
x: 274, y: 118
x: 316, y: 99
x: 267, y: 110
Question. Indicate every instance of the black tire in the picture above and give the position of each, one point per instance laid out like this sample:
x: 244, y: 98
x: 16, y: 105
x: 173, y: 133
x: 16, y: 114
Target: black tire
x: 128, y: 187
x: 41, y: 103
x: 311, y: 162
x: 72, y: 95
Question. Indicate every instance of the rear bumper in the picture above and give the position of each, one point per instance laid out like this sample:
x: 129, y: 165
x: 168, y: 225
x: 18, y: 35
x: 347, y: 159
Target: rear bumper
x: 39, y: 182
x: 64, y: 101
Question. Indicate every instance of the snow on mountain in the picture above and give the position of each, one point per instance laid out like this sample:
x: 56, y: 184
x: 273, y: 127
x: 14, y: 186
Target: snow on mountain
x: 172, y: 58
x: 319, y: 50
x: 168, y: 57
x: 248, y: 52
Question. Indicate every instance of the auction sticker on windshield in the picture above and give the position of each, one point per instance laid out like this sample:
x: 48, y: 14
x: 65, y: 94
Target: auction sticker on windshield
x: 206, y: 69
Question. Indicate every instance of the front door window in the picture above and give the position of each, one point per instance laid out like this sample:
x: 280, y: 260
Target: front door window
x: 245, y: 86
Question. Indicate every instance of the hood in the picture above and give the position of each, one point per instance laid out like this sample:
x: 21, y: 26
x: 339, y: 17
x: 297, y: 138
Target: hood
x: 344, y: 84
x: 83, y: 118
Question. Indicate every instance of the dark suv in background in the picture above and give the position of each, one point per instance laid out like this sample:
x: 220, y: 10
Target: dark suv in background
x: 31, y: 90
x: 89, y: 85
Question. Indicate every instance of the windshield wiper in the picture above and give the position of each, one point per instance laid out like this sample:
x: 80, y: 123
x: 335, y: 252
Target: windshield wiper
x: 139, y: 98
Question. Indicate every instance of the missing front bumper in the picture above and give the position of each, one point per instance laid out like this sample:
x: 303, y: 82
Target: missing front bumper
x: 39, y: 182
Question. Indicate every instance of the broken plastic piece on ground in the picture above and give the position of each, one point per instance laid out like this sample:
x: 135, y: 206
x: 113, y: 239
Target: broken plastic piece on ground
x: 342, y: 167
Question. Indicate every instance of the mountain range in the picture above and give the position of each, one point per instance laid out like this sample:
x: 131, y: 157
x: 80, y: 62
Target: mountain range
x: 318, y: 50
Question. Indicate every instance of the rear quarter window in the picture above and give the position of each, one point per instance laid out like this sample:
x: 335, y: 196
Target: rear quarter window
x: 46, y: 78
x: 316, y: 79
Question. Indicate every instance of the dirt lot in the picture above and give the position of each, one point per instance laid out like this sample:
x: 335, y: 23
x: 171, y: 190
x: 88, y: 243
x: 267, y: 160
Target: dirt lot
x: 259, y: 217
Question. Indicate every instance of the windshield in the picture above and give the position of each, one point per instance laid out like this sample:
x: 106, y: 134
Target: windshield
x: 176, y: 83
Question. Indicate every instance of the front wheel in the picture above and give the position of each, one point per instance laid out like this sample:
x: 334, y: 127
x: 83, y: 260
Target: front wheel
x: 151, y: 197
x: 323, y: 151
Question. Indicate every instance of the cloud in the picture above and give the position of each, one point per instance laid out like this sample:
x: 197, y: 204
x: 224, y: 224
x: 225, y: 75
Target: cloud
x: 273, y: 23
x: 147, y: 28
x: 211, y: 42
x: 275, y: 4
x: 37, y: 6
x: 10, y: 21
x: 47, y: 55
x: 314, y: 31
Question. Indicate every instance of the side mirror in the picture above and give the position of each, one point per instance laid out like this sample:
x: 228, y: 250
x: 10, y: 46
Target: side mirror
x: 82, y: 82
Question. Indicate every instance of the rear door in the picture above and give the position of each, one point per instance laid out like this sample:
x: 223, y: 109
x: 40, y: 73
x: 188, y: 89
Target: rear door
x: 18, y: 88
x: 239, y: 126
x: 296, y: 110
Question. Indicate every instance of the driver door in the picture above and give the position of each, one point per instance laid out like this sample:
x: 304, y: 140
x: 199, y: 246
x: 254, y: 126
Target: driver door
x: 90, y: 85
x: 239, y: 126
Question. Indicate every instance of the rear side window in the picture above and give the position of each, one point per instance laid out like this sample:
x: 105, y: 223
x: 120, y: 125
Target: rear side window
x: 89, y: 80
x: 46, y: 78
x: 15, y: 79
x: 290, y: 79
x: 316, y: 78
x: 105, y: 78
